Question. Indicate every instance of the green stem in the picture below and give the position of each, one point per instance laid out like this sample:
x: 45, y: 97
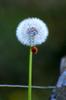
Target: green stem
x: 30, y: 77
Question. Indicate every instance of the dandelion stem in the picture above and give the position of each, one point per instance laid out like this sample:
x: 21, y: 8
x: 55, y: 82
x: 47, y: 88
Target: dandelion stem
x: 30, y: 76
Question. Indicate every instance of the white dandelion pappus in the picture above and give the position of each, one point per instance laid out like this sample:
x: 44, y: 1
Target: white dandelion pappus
x: 32, y: 31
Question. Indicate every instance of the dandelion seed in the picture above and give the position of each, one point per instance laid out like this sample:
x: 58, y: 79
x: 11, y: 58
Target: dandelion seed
x: 32, y: 31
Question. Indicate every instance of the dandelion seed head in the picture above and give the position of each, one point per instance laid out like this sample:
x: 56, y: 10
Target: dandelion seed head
x: 32, y: 31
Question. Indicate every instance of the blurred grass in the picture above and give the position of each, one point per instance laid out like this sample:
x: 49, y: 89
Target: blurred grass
x: 21, y: 94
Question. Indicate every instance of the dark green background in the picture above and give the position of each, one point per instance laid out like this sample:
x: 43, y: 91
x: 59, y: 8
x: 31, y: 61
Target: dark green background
x: 14, y: 56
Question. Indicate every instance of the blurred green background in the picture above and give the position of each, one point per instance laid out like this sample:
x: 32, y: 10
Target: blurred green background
x: 14, y: 56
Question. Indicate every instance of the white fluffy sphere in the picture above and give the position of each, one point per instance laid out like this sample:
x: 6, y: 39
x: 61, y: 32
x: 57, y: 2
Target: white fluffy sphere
x: 32, y: 31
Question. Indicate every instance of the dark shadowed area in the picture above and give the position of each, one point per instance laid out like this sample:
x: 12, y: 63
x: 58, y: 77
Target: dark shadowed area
x: 14, y: 56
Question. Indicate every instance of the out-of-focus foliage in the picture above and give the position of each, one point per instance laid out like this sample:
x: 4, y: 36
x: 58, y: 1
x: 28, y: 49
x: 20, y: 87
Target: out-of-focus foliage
x: 14, y: 56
